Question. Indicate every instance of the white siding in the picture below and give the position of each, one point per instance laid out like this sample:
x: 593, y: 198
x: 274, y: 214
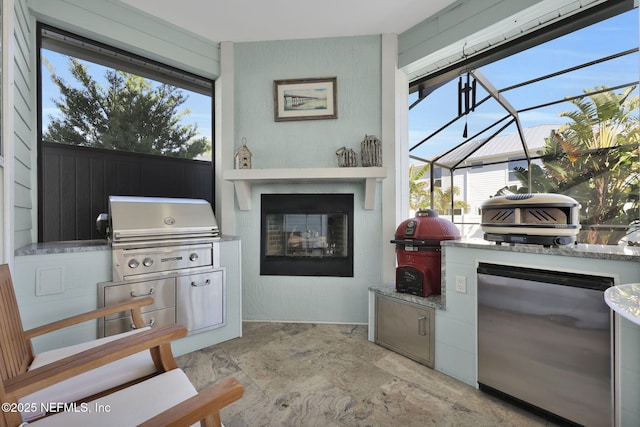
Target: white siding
x: 483, y: 184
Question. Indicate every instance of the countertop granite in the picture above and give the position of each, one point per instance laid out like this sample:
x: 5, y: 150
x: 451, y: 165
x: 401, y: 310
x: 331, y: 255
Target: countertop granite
x: 63, y: 247
x: 76, y: 246
x: 581, y: 250
x: 607, y: 252
x: 625, y: 300
x: 434, y: 301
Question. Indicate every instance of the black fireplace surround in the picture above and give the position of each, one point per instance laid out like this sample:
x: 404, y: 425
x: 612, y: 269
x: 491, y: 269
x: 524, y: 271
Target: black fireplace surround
x: 306, y: 235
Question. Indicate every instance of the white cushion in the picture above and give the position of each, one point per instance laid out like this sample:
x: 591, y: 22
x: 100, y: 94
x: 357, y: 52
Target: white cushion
x: 127, y: 407
x: 89, y: 383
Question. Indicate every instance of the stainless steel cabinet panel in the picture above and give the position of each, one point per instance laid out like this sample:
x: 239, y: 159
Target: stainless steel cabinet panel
x: 155, y: 318
x: 406, y: 328
x: 195, y: 301
x: 544, y: 337
x: 201, y: 301
x: 163, y: 292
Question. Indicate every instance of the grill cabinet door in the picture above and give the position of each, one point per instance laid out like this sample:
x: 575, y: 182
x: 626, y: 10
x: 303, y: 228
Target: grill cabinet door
x: 163, y: 292
x: 160, y: 313
x: 166, y: 316
x: 406, y: 328
x: 201, y: 301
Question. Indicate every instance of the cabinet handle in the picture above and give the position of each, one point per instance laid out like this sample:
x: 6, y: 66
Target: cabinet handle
x: 135, y: 295
x: 205, y: 283
x: 151, y: 323
x: 422, y: 325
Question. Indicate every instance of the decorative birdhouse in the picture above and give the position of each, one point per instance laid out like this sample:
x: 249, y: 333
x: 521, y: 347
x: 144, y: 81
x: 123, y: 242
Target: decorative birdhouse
x: 243, y: 156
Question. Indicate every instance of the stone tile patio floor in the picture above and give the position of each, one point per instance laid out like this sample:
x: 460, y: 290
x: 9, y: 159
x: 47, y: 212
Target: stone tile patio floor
x: 302, y: 374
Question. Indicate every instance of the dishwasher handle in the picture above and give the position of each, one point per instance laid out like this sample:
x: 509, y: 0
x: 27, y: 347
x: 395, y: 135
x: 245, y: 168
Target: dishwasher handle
x: 576, y: 280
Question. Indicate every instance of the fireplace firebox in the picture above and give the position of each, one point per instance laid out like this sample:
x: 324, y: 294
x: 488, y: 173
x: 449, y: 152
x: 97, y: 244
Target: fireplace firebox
x: 306, y: 235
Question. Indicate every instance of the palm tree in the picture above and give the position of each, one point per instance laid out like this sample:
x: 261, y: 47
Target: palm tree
x: 442, y: 200
x: 420, y: 197
x: 595, y: 159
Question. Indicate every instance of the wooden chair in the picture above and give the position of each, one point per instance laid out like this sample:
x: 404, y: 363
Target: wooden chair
x: 82, y: 373
x: 168, y: 399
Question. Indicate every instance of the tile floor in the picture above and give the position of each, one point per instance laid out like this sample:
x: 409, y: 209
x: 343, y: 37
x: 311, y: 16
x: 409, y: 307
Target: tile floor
x: 331, y: 375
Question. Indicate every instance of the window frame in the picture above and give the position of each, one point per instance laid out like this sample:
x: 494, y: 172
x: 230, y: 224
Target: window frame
x: 90, y: 50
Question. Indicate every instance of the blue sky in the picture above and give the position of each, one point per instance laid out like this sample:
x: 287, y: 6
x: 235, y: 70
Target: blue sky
x: 605, y: 38
x: 199, y: 105
x: 609, y: 37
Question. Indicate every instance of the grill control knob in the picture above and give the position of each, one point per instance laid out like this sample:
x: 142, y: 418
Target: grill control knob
x: 133, y: 263
x: 193, y: 256
x: 147, y: 262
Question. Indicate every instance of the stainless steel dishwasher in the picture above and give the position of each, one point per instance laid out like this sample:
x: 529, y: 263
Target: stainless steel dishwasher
x: 544, y: 338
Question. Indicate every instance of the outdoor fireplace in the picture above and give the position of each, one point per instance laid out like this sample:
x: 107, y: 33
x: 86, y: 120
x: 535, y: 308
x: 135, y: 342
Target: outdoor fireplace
x: 306, y: 235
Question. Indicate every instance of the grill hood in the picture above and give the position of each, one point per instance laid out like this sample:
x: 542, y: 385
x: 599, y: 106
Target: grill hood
x: 158, y: 218
x: 427, y: 228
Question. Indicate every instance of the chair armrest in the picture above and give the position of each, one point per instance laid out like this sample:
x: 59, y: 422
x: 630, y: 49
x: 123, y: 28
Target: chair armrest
x: 31, y: 381
x: 90, y: 315
x: 206, y: 405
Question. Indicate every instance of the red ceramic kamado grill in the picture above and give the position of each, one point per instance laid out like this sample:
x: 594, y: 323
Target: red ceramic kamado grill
x: 417, y: 243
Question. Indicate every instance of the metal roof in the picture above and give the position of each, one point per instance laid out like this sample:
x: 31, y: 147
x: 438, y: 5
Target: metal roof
x: 501, y: 147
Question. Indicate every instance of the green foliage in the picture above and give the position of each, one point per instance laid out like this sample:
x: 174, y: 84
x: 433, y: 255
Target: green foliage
x: 420, y: 197
x: 126, y: 114
x: 595, y: 159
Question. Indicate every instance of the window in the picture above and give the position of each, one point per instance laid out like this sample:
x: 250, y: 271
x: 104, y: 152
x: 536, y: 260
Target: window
x: 437, y: 177
x: 576, y: 101
x: 114, y: 123
x: 516, y: 162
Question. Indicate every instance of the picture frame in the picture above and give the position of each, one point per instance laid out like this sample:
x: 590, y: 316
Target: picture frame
x: 305, y: 99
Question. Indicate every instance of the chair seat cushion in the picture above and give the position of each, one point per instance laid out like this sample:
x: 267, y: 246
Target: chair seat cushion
x: 95, y: 381
x: 127, y: 407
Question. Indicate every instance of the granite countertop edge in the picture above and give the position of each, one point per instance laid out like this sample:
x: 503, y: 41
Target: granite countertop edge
x: 434, y: 301
x: 74, y: 246
x: 581, y: 250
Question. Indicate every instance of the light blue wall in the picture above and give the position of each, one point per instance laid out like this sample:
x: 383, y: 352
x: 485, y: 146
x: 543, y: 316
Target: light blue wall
x: 24, y: 126
x: 629, y: 372
x: 80, y: 273
x: 356, y: 63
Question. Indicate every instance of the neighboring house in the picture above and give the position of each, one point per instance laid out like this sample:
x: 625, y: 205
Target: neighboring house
x: 480, y: 177
x: 487, y: 170
x: 490, y: 168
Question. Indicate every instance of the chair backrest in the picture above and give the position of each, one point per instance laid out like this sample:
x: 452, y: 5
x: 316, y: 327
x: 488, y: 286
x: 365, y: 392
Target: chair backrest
x: 16, y: 353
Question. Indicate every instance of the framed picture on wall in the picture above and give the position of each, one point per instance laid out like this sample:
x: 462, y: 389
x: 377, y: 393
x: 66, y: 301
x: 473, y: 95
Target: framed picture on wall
x: 305, y: 99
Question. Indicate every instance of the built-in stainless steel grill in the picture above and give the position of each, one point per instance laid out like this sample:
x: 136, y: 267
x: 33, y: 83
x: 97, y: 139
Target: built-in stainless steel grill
x: 167, y: 248
x: 136, y: 219
x: 152, y: 236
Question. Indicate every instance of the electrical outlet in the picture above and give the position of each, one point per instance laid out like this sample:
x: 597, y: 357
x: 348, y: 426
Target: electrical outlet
x: 461, y: 284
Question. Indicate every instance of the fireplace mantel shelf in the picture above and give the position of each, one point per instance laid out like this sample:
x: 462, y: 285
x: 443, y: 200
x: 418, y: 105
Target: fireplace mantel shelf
x: 243, y: 179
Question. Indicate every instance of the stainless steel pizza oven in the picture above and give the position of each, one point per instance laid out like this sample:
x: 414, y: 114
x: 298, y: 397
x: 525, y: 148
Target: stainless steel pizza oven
x: 544, y: 219
x: 167, y: 248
